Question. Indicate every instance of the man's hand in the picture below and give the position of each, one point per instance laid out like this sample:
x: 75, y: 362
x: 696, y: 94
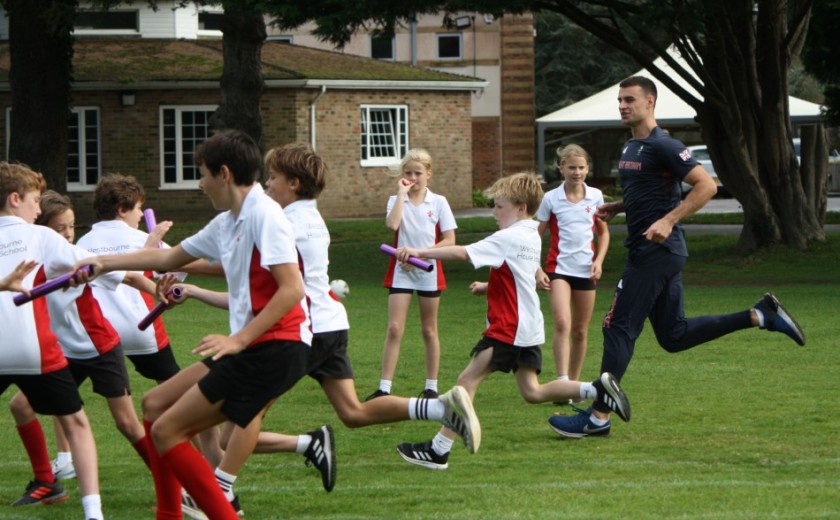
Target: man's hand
x: 608, y: 210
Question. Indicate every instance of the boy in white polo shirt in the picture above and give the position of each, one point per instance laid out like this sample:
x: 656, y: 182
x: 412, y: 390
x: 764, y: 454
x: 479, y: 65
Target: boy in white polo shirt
x: 267, y: 349
x: 32, y: 359
x: 515, y: 328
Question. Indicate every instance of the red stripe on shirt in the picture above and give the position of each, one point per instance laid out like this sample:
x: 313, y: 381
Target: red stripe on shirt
x: 554, y: 245
x: 52, y: 358
x: 102, y: 334
x: 502, y: 305
x: 263, y: 286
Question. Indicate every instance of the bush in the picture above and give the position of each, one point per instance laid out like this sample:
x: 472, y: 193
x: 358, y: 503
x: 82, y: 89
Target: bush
x: 480, y: 200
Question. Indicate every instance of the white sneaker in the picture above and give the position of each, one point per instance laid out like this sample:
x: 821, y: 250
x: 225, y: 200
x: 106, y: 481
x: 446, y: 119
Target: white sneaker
x: 460, y: 417
x: 65, y: 472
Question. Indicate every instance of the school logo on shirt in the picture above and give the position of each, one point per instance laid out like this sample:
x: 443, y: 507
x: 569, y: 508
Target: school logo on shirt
x: 685, y: 154
x: 430, y: 214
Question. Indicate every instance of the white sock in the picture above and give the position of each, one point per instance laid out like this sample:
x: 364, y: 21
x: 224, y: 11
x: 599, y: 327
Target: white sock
x: 598, y: 421
x: 442, y: 444
x: 431, y: 384
x: 425, y: 409
x: 62, y: 458
x: 562, y: 378
x: 587, y: 391
x: 760, y: 316
x: 385, y: 385
x: 303, y: 443
x: 93, y: 507
x: 226, y: 481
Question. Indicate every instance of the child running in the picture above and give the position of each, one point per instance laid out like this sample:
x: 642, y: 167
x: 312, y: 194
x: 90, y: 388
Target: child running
x: 515, y: 328
x: 36, y: 364
x: 266, y: 352
x: 296, y: 177
x: 420, y: 219
x: 573, y: 263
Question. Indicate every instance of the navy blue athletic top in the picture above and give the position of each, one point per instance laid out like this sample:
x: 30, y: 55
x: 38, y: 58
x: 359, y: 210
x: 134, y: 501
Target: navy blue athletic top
x: 650, y: 171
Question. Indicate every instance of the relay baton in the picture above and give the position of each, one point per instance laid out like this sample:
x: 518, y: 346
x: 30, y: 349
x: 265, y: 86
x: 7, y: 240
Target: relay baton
x: 158, y: 309
x: 151, y: 223
x: 49, y: 286
x: 416, y: 262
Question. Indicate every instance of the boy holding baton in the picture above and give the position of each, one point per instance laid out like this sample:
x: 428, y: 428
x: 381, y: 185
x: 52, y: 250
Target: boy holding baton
x: 515, y: 328
x: 34, y: 361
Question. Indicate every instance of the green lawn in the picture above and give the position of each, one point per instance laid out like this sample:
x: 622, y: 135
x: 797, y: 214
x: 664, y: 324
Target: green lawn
x: 742, y: 428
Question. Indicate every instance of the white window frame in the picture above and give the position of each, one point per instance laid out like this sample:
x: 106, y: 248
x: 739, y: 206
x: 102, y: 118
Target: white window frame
x: 180, y: 183
x: 83, y: 185
x: 460, y: 38
x: 374, y: 152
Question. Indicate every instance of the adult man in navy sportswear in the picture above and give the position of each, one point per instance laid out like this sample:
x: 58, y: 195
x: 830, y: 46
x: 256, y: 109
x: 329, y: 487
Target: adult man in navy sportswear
x: 651, y: 167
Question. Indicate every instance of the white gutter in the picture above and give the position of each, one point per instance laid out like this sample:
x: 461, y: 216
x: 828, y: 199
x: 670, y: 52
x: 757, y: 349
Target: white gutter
x: 312, y: 116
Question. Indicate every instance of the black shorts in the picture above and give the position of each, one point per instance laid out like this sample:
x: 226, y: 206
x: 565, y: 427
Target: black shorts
x: 575, y: 282
x: 507, y: 357
x: 328, y: 358
x: 424, y: 294
x: 107, y: 373
x: 159, y: 366
x: 251, y: 379
x: 55, y: 393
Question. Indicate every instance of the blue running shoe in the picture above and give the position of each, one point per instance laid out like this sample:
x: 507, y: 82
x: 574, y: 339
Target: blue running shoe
x: 577, y: 426
x: 778, y: 319
x: 612, y: 396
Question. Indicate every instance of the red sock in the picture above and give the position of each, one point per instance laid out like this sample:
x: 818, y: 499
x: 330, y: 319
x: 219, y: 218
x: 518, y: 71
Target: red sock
x: 167, y: 487
x: 142, y: 448
x: 36, y: 447
x: 198, y: 479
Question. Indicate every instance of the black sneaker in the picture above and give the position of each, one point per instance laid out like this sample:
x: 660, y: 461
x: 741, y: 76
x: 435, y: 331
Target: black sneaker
x: 321, y: 454
x: 778, y: 319
x: 422, y: 454
x: 428, y: 394
x: 378, y: 393
x: 39, y: 493
x: 612, y: 396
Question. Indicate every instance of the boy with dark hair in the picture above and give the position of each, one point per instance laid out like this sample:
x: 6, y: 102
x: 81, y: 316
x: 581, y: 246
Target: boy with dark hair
x: 267, y: 349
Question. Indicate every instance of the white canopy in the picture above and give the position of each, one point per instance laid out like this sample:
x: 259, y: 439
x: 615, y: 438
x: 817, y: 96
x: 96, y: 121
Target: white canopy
x: 601, y: 110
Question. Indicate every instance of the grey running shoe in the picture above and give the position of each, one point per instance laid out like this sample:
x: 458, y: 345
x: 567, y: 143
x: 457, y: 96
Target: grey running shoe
x: 460, y: 417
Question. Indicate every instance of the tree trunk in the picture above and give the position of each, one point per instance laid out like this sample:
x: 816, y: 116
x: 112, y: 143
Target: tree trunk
x: 40, y: 76
x: 242, y: 82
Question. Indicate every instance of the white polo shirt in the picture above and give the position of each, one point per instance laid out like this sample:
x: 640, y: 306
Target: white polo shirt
x: 572, y: 228
x: 312, y: 239
x: 246, y: 246
x: 30, y: 347
x: 513, y: 306
x: 125, y: 306
x: 422, y: 227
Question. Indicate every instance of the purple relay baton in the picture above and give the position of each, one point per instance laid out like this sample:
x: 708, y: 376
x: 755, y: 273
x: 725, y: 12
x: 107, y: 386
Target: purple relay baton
x: 416, y: 262
x: 158, y: 309
x: 49, y: 286
x: 151, y: 223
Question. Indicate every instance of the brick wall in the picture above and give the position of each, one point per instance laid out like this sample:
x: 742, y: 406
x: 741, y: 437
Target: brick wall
x: 439, y: 122
x: 487, y: 151
x: 518, y: 117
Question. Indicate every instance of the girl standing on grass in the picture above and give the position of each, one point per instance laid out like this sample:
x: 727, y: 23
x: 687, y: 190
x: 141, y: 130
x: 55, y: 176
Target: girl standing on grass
x: 574, y: 262
x: 420, y: 219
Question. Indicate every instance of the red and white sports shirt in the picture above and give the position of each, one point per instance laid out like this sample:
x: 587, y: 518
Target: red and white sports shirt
x: 422, y: 227
x: 246, y: 246
x: 572, y: 227
x: 312, y: 239
x: 513, y: 306
x: 30, y: 347
x: 125, y: 306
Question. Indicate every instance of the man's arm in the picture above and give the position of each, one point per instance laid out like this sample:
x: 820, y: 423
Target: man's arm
x: 703, y: 189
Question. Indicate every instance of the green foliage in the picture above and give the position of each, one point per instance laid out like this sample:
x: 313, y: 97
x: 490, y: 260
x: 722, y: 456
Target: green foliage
x: 480, y: 200
x: 821, y: 54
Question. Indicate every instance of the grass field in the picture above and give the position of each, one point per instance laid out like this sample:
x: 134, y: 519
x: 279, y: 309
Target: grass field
x: 745, y: 427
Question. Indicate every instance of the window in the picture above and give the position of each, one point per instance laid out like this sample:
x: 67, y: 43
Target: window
x: 381, y: 48
x: 449, y: 46
x: 83, y: 160
x: 83, y: 149
x: 285, y: 38
x: 106, y: 22
x: 182, y: 129
x: 384, y: 134
x: 208, y: 21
